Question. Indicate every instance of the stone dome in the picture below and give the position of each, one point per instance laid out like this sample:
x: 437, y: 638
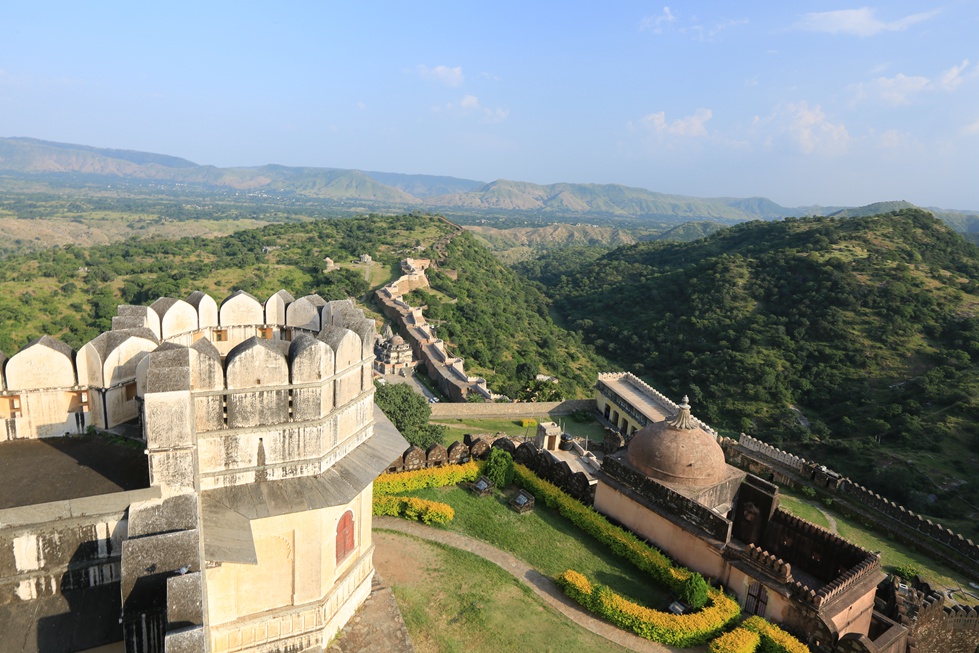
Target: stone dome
x: 397, y: 341
x: 677, y: 451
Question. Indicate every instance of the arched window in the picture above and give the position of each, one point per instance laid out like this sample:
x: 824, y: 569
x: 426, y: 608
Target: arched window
x: 345, y: 536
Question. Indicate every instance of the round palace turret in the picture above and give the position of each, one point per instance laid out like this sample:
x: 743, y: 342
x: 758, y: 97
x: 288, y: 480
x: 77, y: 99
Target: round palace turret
x: 677, y: 451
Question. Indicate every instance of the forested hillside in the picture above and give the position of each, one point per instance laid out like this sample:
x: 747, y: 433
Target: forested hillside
x: 500, y: 324
x: 500, y: 320
x: 866, y: 325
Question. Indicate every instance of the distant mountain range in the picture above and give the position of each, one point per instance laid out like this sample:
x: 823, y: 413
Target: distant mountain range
x: 28, y: 156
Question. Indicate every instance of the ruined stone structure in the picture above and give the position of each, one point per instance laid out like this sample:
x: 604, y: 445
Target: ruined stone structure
x: 672, y: 485
x: 392, y: 355
x: 933, y: 625
x: 251, y: 529
x: 447, y: 371
x: 903, y: 524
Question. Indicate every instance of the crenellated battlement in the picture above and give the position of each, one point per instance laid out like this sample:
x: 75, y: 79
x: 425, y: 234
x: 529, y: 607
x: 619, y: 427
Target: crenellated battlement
x: 47, y: 389
x: 784, y: 457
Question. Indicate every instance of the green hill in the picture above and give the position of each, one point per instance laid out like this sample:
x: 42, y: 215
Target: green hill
x: 869, y: 326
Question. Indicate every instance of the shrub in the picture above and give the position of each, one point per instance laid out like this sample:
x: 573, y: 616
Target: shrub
x: 691, y: 629
x: 693, y: 591
x: 428, y: 512
x: 808, y: 492
x: 525, y: 422
x: 773, y: 638
x: 399, y: 482
x: 739, y: 640
x: 907, y: 571
x: 499, y: 467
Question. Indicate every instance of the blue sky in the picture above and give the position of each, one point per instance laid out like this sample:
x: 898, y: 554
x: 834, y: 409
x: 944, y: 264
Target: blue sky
x: 802, y: 102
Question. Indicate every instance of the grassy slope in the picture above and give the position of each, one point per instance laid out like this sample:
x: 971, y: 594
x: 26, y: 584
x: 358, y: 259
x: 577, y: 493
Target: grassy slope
x: 461, y: 602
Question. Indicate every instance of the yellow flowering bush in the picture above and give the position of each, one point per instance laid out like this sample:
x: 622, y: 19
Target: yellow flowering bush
x: 739, y: 640
x: 773, y: 638
x: 399, y: 482
x: 690, y: 629
x: 428, y: 512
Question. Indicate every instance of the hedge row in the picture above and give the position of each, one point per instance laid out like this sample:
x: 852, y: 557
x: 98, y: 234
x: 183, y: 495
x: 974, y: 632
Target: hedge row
x: 692, y: 629
x: 739, y: 640
x: 620, y: 541
x: 773, y: 638
x: 398, y: 482
x: 429, y: 512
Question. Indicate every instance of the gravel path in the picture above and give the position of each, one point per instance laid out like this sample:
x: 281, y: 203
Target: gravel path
x: 544, y: 587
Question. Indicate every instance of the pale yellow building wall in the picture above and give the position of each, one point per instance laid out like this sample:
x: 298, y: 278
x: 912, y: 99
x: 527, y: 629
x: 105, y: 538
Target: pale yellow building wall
x: 296, y: 592
x: 616, y: 415
x: 680, y: 544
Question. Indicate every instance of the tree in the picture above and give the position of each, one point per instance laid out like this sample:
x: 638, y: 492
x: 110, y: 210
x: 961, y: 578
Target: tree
x: 409, y: 412
x: 693, y: 591
x: 499, y: 467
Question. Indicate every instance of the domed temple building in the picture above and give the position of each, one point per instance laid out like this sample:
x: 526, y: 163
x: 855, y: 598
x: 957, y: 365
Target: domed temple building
x: 672, y: 486
x: 238, y: 515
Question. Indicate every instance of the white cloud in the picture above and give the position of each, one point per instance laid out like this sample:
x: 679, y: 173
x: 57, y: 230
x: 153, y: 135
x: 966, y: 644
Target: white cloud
x: 892, y: 138
x: 655, y: 23
x: 452, y: 77
x: 857, y: 22
x: 693, y: 125
x: 901, y: 88
x: 470, y: 104
x: 972, y: 129
x: 952, y: 77
x: 811, y: 130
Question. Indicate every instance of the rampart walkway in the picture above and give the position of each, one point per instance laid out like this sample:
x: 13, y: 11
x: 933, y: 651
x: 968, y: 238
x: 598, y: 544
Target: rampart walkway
x: 541, y: 585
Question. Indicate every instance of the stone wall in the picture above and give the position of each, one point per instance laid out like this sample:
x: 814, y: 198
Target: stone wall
x: 514, y: 410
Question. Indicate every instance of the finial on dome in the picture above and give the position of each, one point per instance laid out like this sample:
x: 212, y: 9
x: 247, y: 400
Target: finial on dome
x: 683, y: 420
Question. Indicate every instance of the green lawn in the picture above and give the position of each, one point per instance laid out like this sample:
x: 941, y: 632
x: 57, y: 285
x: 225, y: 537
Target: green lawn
x: 460, y: 602
x: 546, y: 541
x: 798, y: 507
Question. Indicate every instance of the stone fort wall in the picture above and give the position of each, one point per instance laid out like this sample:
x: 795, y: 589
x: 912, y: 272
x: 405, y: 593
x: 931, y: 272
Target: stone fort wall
x: 894, y: 518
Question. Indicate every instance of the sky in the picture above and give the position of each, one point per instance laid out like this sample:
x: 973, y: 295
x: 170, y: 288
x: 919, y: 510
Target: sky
x: 807, y: 102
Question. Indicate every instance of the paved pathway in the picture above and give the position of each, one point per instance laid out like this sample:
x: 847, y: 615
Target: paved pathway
x: 542, y: 586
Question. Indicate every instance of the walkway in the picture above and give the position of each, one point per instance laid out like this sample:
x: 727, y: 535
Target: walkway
x: 542, y: 586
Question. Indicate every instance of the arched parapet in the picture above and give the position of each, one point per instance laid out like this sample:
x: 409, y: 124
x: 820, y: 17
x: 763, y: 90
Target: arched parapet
x: 366, y: 329
x: 110, y: 359
x: 206, y: 307
x: 249, y: 368
x: 311, y: 361
x: 342, y: 312
x: 275, y: 308
x: 345, y: 344
x: 42, y: 398
x: 207, y: 378
x: 347, y: 362
x: 304, y: 313
x: 177, y: 317
x: 136, y: 317
x: 43, y: 363
x: 241, y: 309
x: 108, y: 366
x: 206, y: 371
